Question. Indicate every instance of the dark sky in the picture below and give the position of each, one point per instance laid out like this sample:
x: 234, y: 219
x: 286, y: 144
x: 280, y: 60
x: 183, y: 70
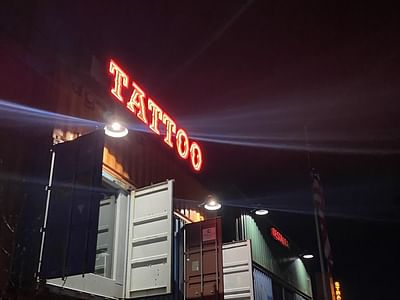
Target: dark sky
x: 247, y: 77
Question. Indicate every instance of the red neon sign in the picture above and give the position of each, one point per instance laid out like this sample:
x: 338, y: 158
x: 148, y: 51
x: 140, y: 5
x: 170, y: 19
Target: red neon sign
x: 150, y: 113
x: 279, y: 237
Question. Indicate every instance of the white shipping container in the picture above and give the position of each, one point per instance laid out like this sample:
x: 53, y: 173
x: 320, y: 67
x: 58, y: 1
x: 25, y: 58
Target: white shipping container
x: 238, y: 270
x: 135, y: 240
x: 149, y: 267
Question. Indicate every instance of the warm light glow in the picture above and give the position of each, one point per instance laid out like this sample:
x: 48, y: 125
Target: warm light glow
x: 212, y: 203
x: 115, y: 130
x: 190, y: 215
x: 170, y: 129
x: 308, y: 256
x: 262, y: 212
x: 156, y: 115
x: 136, y: 103
x: 116, y: 126
x: 182, y: 140
x: 196, y: 156
x: 338, y: 293
x: 120, y: 77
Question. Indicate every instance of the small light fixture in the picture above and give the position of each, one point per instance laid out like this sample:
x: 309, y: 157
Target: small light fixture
x: 212, y: 203
x: 115, y: 129
x: 308, y: 256
x: 261, y: 212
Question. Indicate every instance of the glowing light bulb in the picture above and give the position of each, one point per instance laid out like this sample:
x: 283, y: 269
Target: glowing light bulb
x: 115, y: 130
x: 262, y: 212
x: 116, y: 126
x: 212, y: 204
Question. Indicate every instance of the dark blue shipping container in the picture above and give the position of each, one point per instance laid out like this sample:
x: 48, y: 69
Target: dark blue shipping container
x: 262, y: 286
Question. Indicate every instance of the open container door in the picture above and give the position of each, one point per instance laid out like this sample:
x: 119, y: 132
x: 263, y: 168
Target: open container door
x: 69, y: 232
x: 149, y: 270
x: 238, y: 271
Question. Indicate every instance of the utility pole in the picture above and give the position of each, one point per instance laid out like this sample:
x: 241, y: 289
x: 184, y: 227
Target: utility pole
x: 317, y: 229
x: 321, y: 256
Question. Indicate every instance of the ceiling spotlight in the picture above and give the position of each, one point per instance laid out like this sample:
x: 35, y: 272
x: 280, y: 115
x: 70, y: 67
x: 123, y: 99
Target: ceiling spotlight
x: 212, y: 203
x: 262, y: 212
x: 308, y: 256
x: 116, y: 130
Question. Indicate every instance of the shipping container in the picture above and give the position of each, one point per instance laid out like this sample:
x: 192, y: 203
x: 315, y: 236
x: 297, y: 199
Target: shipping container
x: 149, y: 262
x: 237, y: 266
x: 272, y: 256
x: 137, y: 247
x: 203, y: 260
x: 139, y: 252
x: 242, y: 280
x: 108, y: 279
x: 262, y: 285
x: 142, y: 250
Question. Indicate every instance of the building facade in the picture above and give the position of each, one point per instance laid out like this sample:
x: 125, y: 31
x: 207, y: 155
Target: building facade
x: 54, y: 94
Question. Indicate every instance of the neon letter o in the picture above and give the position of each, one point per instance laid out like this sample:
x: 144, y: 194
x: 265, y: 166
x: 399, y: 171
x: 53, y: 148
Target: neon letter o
x: 182, y: 140
x: 196, y: 156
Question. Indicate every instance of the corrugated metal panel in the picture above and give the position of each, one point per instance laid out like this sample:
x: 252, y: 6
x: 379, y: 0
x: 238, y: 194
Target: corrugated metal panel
x: 203, y: 259
x: 237, y: 265
x: 149, y: 265
x: 70, y: 235
x: 260, y: 250
x: 142, y: 157
x: 293, y: 272
x: 289, y: 295
x: 298, y: 297
x: 262, y: 286
x: 145, y: 160
x: 278, y: 291
x: 120, y: 238
x: 178, y: 264
x: 111, y: 161
x: 105, y: 237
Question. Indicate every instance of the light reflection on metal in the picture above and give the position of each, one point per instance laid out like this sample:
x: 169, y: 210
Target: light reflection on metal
x: 308, y: 256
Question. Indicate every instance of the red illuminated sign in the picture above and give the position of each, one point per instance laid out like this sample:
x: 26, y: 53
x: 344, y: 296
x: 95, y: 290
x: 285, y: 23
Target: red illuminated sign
x: 139, y: 105
x: 279, y: 237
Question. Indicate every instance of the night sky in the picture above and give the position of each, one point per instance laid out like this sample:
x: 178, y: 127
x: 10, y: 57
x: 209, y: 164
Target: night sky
x: 259, y: 84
